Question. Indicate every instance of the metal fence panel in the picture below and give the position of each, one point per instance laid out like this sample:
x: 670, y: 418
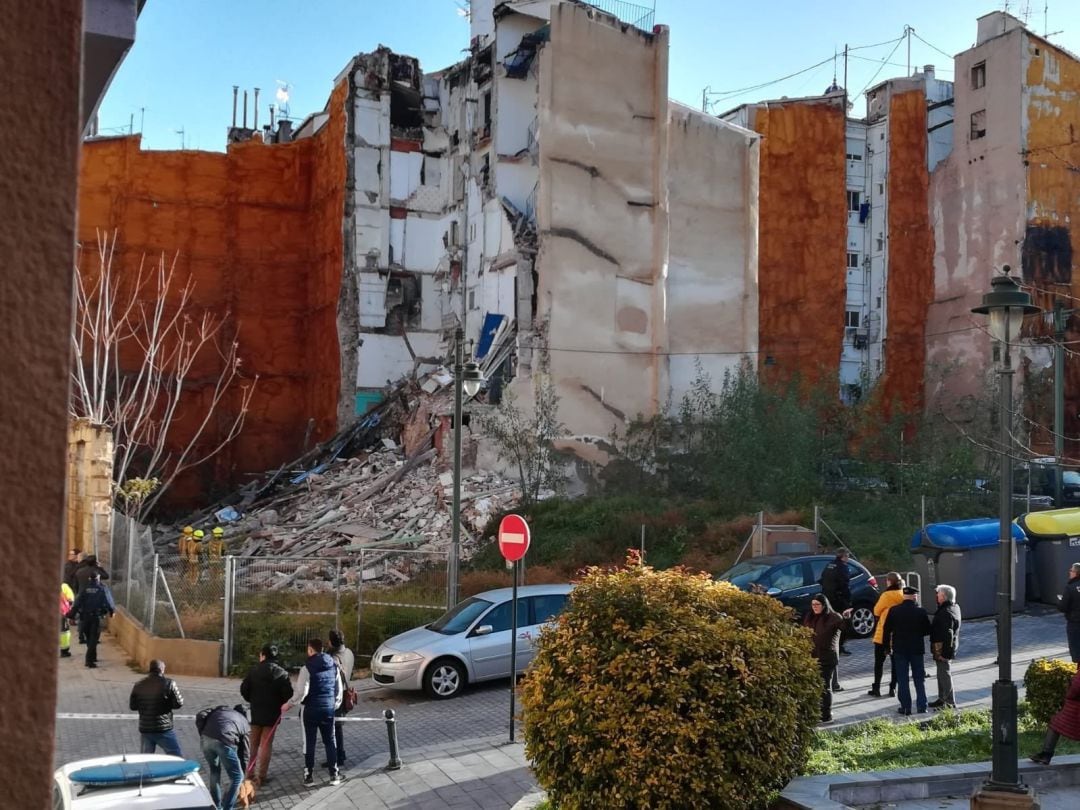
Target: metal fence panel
x: 131, y: 574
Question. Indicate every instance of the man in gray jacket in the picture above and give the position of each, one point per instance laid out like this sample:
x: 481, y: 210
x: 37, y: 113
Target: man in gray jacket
x: 944, y: 641
x: 345, y: 661
x: 224, y: 734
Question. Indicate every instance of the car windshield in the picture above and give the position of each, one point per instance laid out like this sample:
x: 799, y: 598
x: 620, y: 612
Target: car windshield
x: 459, y: 619
x: 1070, y: 477
x: 745, y: 573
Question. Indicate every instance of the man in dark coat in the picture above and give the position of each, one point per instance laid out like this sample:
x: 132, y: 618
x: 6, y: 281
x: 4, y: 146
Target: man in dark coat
x: 93, y: 602
x: 1070, y: 606
x: 318, y: 689
x: 826, y: 626
x: 87, y: 569
x: 267, y: 688
x: 71, y: 566
x: 154, y: 698
x: 224, y: 734
x: 944, y: 641
x: 836, y: 585
x: 905, y: 627
x: 1065, y: 723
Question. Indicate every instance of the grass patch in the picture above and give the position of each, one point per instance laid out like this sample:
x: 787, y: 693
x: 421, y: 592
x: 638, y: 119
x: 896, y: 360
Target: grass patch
x: 946, y: 738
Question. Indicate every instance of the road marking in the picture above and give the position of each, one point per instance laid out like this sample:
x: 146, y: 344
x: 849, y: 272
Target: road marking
x: 99, y: 716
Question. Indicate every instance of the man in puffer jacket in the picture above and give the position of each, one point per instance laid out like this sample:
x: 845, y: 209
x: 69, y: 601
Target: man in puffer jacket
x: 267, y: 688
x: 154, y: 698
x: 319, y: 691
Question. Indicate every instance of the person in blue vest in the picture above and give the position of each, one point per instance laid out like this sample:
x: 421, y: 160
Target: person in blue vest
x: 319, y: 691
x: 93, y: 602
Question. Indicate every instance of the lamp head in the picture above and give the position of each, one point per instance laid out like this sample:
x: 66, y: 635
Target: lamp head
x: 472, y: 378
x: 1006, y: 304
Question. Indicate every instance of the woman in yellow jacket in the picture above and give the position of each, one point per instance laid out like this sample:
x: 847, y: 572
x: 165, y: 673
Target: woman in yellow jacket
x: 890, y: 598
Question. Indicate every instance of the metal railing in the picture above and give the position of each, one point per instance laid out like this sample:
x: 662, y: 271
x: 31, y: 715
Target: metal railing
x: 641, y: 17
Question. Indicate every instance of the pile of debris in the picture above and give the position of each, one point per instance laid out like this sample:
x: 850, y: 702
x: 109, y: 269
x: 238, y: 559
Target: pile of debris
x: 338, y: 500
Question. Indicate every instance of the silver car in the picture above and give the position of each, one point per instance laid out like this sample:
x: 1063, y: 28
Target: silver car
x: 468, y: 644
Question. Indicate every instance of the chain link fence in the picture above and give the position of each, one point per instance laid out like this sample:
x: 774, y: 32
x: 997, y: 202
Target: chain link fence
x: 132, y: 572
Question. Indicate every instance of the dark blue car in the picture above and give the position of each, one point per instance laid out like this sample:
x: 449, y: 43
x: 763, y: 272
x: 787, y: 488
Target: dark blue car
x: 795, y: 578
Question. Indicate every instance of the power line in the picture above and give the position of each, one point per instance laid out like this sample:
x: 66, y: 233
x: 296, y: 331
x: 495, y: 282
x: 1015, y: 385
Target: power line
x: 935, y: 47
x: 894, y: 64
x: 881, y: 68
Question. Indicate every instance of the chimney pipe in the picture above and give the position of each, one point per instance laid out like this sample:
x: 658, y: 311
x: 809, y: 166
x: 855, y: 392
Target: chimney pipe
x: 928, y: 71
x: 235, y: 90
x: 271, y: 116
x: 255, y: 110
x: 245, y: 109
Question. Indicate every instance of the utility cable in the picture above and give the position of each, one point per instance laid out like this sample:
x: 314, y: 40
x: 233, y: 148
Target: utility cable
x: 935, y: 47
x: 878, y: 71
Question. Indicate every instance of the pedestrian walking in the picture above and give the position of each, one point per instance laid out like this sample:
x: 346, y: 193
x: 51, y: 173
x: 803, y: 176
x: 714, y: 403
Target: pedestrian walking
x: 267, y: 688
x: 225, y: 737
x: 905, y: 628
x: 87, y: 569
x: 318, y: 690
x: 71, y: 565
x: 1070, y: 606
x: 836, y: 585
x: 826, y: 625
x: 154, y: 698
x: 91, y: 604
x: 891, y: 597
x: 1065, y: 723
x: 67, y: 599
x: 345, y: 661
x: 944, y: 642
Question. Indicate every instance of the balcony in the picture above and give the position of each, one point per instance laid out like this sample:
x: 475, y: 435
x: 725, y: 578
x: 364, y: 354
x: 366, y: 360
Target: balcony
x: 641, y: 17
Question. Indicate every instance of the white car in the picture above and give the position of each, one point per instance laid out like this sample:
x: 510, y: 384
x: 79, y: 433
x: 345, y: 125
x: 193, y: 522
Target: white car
x: 141, y: 781
x: 469, y: 643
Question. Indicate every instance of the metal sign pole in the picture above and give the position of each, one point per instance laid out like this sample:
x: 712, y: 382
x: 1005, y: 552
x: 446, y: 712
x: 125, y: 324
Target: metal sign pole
x: 513, y: 648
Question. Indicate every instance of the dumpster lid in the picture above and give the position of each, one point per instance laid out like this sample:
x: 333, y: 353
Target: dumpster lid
x: 1055, y: 524
x: 963, y: 534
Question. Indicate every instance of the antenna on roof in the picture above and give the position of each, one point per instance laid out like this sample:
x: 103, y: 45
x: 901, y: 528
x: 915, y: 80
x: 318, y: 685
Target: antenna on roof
x: 282, y: 96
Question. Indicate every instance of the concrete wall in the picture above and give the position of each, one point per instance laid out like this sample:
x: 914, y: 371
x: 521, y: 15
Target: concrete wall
x: 40, y: 58
x: 182, y: 656
x: 977, y: 212
x: 258, y: 230
x: 712, y: 301
x: 602, y: 218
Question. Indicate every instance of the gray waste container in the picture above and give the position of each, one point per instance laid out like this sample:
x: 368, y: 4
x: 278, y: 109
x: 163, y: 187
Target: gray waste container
x: 964, y: 554
x: 1054, y: 537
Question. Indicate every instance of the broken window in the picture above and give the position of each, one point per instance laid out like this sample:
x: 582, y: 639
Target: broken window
x: 853, y: 260
x: 978, y: 125
x: 978, y: 76
x: 518, y: 61
x: 853, y: 200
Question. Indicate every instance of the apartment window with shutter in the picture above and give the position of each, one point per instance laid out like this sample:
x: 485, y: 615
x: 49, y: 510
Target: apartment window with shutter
x: 978, y: 76
x: 853, y: 200
x: 978, y: 125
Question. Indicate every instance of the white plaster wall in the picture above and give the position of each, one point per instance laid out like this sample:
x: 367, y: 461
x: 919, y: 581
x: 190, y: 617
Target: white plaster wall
x: 397, y: 241
x: 404, y: 174
x: 516, y: 182
x: 433, y: 302
x: 424, y: 249
x: 382, y: 358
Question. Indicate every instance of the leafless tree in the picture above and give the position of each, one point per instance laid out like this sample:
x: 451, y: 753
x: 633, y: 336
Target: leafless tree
x: 135, y: 346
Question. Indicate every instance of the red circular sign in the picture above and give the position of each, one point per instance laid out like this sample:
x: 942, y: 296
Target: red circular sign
x: 513, y: 537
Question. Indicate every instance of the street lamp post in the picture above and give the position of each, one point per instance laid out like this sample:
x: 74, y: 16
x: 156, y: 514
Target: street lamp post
x: 467, y: 381
x: 1006, y: 304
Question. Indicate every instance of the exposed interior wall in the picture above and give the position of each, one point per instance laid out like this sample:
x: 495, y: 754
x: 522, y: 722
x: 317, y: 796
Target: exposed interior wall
x: 1051, y: 109
x: 802, y: 237
x: 259, y: 232
x: 910, y: 278
x: 40, y: 57
x: 977, y: 204
x: 599, y: 216
x: 712, y: 301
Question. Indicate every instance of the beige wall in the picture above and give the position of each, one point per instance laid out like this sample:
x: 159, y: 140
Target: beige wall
x: 977, y: 212
x: 712, y: 302
x: 89, y: 495
x: 183, y: 656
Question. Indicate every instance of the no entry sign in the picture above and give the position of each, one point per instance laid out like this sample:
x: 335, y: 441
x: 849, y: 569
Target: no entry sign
x: 513, y: 537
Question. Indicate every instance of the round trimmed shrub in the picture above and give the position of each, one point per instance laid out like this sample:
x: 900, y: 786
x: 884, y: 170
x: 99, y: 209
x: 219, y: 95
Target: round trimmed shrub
x: 665, y: 689
x: 1046, y: 681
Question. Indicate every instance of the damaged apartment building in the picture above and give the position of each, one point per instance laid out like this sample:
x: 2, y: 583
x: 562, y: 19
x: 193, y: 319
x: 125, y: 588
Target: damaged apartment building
x: 547, y: 195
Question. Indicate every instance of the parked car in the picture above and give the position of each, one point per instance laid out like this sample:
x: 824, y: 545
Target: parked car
x: 795, y: 578
x: 150, y: 781
x: 469, y: 643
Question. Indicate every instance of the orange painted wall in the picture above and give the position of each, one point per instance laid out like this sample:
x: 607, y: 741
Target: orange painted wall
x: 802, y: 251
x: 259, y: 231
x: 910, y: 283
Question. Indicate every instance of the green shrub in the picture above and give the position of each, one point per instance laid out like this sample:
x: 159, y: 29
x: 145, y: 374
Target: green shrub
x: 665, y: 689
x: 1046, y: 681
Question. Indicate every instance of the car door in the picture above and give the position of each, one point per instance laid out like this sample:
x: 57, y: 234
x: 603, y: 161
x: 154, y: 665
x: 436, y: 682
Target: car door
x: 490, y: 653
x: 543, y: 609
x: 792, y: 580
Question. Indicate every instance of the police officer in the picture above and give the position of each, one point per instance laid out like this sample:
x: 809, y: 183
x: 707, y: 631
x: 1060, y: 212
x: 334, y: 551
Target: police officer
x: 1070, y: 606
x: 93, y: 602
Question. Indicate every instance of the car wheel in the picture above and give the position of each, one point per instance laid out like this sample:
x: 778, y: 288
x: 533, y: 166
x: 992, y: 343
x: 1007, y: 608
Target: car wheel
x: 862, y: 621
x: 444, y: 679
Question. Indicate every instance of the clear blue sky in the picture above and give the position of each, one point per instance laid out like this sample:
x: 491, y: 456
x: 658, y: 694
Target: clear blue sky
x: 189, y: 53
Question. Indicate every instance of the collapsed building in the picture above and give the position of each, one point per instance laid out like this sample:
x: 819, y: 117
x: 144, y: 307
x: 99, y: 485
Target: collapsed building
x: 544, y: 194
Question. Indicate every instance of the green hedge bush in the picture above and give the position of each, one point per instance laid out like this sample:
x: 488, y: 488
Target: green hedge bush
x: 665, y: 689
x: 1047, y: 681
